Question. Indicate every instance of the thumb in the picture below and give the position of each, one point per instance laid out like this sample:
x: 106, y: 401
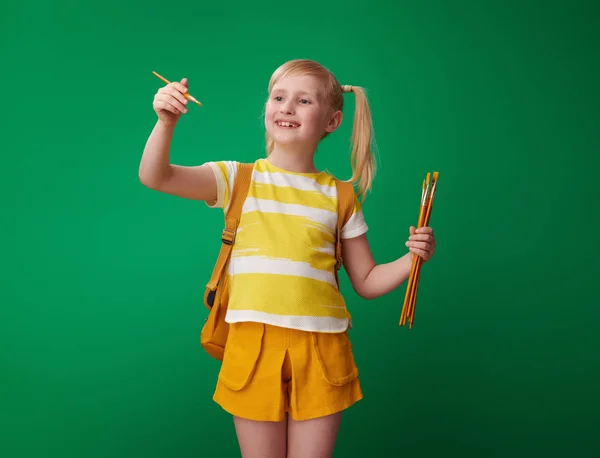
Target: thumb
x: 412, y: 230
x: 184, y: 81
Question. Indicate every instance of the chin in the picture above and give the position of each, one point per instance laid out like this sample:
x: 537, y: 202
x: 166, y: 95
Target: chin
x: 283, y: 137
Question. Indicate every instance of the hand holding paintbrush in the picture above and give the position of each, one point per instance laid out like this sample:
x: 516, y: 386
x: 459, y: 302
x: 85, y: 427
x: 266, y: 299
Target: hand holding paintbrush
x: 422, y: 243
x: 170, y: 102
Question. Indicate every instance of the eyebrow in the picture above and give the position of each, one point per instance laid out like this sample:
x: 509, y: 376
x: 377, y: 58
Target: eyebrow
x: 299, y: 93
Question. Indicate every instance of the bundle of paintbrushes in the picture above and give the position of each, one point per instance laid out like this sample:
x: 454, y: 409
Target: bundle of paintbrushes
x: 410, y: 300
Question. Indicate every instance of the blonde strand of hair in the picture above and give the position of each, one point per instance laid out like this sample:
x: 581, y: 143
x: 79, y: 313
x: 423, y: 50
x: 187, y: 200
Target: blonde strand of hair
x: 362, y: 157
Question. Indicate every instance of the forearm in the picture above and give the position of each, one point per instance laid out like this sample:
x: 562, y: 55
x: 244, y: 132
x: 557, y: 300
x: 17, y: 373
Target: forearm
x: 384, y: 278
x: 155, y: 164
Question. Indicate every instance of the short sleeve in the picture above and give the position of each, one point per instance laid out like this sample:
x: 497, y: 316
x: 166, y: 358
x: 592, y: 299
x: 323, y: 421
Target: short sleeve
x: 225, y: 172
x: 356, y: 225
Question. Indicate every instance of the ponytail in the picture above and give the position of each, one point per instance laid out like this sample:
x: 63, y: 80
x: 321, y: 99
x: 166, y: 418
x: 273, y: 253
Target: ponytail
x: 362, y: 158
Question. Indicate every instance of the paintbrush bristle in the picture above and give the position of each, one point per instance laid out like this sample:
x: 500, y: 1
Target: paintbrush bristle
x: 194, y: 100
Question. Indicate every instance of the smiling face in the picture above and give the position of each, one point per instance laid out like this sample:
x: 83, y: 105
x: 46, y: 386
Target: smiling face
x: 297, y: 113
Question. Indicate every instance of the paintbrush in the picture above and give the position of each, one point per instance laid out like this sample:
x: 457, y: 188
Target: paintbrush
x: 427, y: 197
x: 186, y: 95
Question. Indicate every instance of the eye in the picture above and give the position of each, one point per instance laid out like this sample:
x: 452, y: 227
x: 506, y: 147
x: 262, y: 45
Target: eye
x: 304, y: 101
x: 278, y: 98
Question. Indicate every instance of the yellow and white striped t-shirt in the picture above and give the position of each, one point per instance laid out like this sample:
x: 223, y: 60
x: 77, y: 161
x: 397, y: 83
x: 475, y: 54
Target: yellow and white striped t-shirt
x: 282, y: 267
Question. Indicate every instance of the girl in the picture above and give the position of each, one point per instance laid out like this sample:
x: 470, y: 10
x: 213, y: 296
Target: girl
x: 288, y: 370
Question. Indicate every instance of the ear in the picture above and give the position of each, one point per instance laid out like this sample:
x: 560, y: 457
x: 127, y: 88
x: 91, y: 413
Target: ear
x: 335, y: 120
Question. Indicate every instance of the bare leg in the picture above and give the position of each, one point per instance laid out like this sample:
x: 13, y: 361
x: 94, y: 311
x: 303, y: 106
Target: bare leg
x: 313, y: 438
x: 261, y: 439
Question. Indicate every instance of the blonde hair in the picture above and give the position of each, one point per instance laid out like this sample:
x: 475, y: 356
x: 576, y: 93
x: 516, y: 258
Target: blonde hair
x: 362, y: 158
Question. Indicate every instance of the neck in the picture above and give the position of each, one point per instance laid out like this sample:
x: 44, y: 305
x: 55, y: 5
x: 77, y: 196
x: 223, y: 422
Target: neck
x: 293, y: 159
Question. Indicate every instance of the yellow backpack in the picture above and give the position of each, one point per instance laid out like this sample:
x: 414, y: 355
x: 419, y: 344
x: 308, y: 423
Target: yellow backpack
x: 216, y: 296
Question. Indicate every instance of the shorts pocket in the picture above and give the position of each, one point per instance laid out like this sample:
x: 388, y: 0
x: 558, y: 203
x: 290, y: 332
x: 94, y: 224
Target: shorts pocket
x: 334, y: 353
x: 242, y: 350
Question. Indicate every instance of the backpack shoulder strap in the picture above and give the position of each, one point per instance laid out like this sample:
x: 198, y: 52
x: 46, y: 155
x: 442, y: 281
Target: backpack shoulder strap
x: 345, y: 197
x: 232, y: 219
x: 238, y: 196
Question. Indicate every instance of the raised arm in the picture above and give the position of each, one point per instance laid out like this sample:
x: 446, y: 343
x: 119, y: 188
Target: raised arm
x: 155, y: 170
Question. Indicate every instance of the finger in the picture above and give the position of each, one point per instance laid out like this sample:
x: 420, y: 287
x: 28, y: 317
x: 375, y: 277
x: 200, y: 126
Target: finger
x: 422, y: 237
x: 420, y: 245
x: 177, y: 94
x: 175, y: 90
x: 425, y: 230
x: 184, y: 81
x: 420, y: 253
x: 165, y: 105
x: 165, y: 102
x: 411, y: 230
x: 174, y: 102
x: 422, y: 248
x: 180, y: 87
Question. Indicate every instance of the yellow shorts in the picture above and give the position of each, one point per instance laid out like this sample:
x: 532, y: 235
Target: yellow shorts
x: 268, y: 371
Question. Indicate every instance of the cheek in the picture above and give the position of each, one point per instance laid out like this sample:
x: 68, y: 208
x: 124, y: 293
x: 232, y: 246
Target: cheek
x: 316, y: 119
x: 268, y: 115
x: 269, y: 118
x: 269, y: 112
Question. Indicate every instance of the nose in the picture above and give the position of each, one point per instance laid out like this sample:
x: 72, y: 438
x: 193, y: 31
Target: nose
x: 287, y: 107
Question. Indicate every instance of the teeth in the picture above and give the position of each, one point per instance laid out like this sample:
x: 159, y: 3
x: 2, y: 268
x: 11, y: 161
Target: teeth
x: 287, y: 124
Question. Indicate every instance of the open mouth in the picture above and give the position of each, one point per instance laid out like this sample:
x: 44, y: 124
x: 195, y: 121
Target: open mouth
x: 287, y: 125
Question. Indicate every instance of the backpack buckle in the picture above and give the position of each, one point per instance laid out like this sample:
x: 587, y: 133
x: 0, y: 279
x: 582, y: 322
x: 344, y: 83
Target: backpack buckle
x: 228, y: 236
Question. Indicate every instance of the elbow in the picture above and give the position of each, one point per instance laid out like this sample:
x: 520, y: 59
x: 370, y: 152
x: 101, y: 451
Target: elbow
x: 367, y: 296
x: 145, y: 180
x: 365, y: 287
x: 142, y: 177
x: 365, y: 293
x: 148, y: 179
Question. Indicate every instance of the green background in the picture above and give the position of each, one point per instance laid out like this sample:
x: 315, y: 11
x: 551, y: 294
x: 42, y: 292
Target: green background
x: 102, y: 278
